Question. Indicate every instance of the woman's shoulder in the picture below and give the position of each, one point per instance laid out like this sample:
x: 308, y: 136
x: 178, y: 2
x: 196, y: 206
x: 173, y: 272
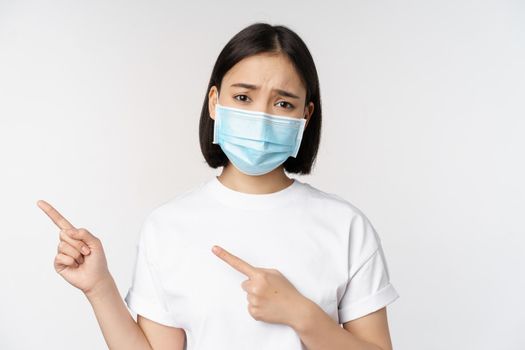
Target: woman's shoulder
x: 186, y: 199
x: 329, y: 199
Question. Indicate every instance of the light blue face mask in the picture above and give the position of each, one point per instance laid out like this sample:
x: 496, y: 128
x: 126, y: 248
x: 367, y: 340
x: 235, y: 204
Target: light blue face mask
x: 256, y: 142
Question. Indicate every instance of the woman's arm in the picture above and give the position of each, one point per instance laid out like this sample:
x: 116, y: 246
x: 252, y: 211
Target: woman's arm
x: 118, y: 326
x: 318, y: 331
x: 160, y: 336
x: 81, y: 261
x: 120, y: 329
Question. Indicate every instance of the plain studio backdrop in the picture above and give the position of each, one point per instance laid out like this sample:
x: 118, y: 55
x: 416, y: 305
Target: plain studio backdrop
x: 423, y: 130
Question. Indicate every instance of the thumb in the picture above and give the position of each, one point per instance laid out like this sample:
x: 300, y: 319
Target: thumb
x: 84, y: 235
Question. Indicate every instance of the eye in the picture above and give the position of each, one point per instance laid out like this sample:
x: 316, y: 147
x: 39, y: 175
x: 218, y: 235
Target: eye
x: 235, y: 97
x: 291, y: 106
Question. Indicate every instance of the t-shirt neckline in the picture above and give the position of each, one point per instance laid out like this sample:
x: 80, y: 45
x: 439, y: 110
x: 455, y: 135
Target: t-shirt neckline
x: 243, y: 200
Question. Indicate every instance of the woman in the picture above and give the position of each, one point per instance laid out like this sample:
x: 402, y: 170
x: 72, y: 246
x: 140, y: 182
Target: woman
x: 250, y: 259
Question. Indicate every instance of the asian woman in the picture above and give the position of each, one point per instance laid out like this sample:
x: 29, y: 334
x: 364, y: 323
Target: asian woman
x: 251, y: 258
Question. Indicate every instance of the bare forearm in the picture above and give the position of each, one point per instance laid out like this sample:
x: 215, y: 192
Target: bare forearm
x: 119, y: 329
x: 318, y: 331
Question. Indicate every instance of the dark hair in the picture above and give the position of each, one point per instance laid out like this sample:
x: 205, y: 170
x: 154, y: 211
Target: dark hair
x: 260, y: 38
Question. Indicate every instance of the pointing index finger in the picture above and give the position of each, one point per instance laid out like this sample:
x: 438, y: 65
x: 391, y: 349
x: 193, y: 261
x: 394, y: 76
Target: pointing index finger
x: 54, y: 215
x: 234, y: 261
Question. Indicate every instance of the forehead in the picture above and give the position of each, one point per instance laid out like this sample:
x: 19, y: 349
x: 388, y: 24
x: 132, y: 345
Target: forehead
x: 268, y: 70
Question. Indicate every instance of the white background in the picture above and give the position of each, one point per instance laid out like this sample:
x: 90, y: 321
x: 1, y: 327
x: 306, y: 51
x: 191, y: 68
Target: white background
x: 423, y: 130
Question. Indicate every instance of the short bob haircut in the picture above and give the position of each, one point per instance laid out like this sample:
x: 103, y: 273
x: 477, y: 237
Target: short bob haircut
x: 265, y: 38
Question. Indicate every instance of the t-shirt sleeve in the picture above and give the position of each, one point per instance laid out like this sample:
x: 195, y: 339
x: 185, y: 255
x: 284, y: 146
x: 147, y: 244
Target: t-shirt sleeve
x: 368, y: 286
x: 145, y: 295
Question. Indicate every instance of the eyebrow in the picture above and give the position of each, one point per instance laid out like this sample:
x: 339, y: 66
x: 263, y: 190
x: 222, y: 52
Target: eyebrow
x: 255, y: 87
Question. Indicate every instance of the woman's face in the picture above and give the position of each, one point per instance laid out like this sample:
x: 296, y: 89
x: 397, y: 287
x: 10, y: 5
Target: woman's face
x: 266, y: 83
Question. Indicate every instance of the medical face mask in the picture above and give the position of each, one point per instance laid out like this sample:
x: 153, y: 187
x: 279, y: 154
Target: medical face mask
x: 255, y: 142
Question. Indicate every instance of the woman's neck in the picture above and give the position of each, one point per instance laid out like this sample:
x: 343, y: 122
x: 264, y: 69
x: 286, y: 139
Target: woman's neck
x: 273, y: 181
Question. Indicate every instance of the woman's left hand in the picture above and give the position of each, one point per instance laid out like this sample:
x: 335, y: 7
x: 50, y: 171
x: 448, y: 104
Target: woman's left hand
x: 271, y: 297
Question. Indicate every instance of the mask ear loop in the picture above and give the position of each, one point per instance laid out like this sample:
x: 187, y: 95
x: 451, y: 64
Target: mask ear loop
x: 216, y: 122
x: 216, y: 104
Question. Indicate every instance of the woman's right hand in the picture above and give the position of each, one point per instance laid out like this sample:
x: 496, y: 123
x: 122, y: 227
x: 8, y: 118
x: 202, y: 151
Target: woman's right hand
x: 84, y: 269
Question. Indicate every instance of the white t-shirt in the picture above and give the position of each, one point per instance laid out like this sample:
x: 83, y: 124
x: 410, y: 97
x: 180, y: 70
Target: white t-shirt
x: 324, y: 245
